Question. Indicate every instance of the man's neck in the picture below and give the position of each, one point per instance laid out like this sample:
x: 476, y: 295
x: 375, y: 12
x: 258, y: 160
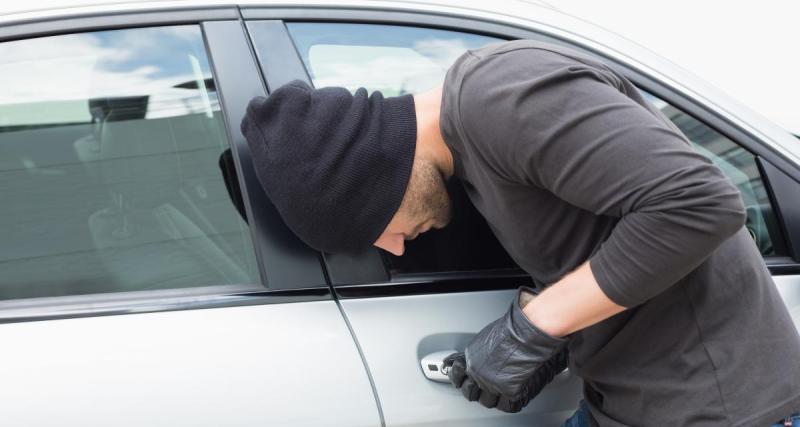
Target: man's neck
x: 430, y: 142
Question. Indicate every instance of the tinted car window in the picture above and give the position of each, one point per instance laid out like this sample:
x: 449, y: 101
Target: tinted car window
x: 109, y: 173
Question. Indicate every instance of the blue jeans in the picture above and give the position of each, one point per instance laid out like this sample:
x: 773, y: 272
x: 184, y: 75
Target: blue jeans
x: 582, y: 418
x: 795, y: 421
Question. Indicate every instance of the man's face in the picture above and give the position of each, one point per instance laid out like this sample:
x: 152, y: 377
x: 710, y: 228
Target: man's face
x: 425, y: 205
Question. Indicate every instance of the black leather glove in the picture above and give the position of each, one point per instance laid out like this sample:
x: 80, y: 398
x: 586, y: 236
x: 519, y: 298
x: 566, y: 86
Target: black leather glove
x: 508, y: 362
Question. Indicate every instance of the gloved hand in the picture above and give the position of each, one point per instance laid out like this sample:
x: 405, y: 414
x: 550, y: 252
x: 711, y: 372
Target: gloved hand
x: 508, y: 362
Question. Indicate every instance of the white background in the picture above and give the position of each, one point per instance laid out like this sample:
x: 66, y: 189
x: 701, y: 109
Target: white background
x: 749, y: 49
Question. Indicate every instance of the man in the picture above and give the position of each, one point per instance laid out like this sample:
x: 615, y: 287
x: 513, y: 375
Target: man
x: 645, y: 275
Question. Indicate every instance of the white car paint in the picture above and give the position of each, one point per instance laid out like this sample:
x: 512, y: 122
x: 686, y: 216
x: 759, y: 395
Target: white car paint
x: 264, y: 364
x: 274, y: 365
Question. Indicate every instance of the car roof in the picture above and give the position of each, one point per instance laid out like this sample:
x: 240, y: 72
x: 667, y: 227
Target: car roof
x: 537, y: 15
x: 9, y: 8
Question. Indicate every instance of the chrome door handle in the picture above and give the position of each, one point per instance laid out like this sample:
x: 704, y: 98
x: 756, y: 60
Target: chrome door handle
x: 432, y: 366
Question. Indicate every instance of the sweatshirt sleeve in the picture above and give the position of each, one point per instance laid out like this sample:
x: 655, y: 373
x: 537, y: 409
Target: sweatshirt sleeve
x: 564, y: 126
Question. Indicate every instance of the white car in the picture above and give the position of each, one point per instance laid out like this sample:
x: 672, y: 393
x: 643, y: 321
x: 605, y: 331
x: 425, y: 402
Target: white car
x: 132, y: 292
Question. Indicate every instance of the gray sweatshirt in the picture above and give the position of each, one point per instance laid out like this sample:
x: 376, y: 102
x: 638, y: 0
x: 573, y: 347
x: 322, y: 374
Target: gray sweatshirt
x: 567, y: 162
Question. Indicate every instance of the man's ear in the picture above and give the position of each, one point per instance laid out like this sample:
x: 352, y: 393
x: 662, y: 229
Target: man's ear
x: 228, y: 169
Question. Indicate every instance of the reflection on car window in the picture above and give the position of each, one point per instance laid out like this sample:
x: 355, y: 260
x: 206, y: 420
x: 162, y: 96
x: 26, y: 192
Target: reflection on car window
x: 739, y: 165
x: 396, y: 60
x: 109, y: 150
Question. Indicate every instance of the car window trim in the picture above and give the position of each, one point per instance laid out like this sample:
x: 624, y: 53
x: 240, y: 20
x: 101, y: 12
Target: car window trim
x: 778, y: 265
x: 276, y: 53
x: 784, y: 189
x: 151, y: 301
x: 286, y: 262
x: 437, y: 283
x: 111, y: 20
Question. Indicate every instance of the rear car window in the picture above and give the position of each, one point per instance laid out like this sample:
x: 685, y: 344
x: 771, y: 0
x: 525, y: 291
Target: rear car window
x: 109, y: 167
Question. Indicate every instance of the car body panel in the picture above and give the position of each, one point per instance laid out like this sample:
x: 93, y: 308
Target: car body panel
x: 395, y: 333
x: 275, y: 364
x: 789, y: 288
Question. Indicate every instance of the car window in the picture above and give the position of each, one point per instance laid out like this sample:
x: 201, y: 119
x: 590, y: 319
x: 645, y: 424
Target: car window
x: 739, y: 165
x: 404, y: 59
x: 396, y: 60
x: 110, y: 170
x: 391, y: 59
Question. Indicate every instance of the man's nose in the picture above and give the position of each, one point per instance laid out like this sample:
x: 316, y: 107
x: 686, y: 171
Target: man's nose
x: 393, y: 243
x: 398, y: 246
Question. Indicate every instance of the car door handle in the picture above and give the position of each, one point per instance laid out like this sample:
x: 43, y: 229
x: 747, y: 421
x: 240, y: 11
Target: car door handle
x: 432, y: 368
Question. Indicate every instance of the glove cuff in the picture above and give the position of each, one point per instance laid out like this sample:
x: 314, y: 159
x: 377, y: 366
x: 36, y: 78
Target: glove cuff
x: 527, y: 333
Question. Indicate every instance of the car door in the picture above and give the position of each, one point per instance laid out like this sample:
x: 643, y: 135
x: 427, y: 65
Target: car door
x: 132, y: 291
x: 452, y: 282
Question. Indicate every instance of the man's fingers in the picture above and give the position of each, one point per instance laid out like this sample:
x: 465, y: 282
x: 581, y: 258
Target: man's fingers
x: 457, y: 373
x: 470, y: 389
x: 457, y: 370
x: 488, y: 398
x: 507, y: 405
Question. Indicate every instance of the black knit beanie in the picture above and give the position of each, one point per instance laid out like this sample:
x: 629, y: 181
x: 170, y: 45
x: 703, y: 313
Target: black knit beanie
x: 335, y: 164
